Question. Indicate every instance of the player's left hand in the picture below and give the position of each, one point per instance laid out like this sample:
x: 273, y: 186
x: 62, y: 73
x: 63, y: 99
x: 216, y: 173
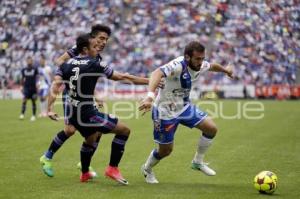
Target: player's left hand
x: 161, y: 84
x: 145, y: 105
x: 53, y: 116
x: 99, y: 103
x: 229, y: 72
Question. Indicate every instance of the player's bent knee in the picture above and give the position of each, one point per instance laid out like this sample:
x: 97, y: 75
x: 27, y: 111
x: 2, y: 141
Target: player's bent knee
x: 214, y: 130
x: 165, y: 152
x: 211, y: 131
x: 127, y: 131
x: 69, y: 130
x: 122, y: 129
x: 69, y: 133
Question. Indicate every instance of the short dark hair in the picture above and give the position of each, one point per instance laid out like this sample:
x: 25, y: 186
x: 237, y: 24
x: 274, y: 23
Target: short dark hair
x: 193, y: 46
x: 83, y: 41
x: 100, y: 28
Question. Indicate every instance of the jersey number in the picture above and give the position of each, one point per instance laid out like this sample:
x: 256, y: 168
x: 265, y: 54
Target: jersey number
x: 74, y: 78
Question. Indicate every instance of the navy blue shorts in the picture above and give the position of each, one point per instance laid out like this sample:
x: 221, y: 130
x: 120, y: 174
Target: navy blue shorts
x: 29, y: 93
x: 164, y: 130
x: 89, y: 120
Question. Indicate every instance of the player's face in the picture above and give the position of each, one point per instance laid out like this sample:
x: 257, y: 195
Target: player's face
x: 196, y: 60
x: 93, y: 49
x: 29, y: 61
x: 42, y: 62
x: 101, y: 38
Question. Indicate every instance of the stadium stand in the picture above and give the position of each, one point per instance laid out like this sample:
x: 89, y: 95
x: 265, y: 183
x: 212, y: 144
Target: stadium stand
x: 261, y: 39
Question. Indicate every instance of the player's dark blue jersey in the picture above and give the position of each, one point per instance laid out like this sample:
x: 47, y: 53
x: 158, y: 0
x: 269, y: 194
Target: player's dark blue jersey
x: 29, y: 75
x: 73, y: 52
x: 80, y: 75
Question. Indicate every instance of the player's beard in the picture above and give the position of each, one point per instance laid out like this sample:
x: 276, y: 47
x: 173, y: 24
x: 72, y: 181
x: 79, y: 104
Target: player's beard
x: 194, y: 68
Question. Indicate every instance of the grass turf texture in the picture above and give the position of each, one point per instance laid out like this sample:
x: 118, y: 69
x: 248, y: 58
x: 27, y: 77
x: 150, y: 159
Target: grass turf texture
x: 241, y: 149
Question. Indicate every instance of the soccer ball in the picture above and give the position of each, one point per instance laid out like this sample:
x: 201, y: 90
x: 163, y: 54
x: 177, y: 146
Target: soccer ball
x: 265, y: 182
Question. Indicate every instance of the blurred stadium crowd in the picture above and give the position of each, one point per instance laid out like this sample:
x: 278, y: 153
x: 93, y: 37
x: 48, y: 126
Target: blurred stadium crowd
x: 260, y: 38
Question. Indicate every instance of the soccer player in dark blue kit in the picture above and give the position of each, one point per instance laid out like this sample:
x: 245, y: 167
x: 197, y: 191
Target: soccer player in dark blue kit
x: 29, y: 88
x: 101, y: 33
x: 80, y: 75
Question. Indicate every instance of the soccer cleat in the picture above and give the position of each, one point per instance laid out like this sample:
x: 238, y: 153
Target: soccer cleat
x: 32, y: 119
x: 46, y: 166
x: 149, y: 175
x: 114, y: 174
x: 84, y: 177
x: 21, y: 117
x: 91, y: 170
x: 204, y: 168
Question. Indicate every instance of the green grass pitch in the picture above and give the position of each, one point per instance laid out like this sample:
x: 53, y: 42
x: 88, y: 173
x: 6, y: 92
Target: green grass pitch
x: 241, y: 149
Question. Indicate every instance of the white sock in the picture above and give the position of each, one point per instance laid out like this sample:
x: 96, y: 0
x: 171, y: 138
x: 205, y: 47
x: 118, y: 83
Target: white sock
x: 203, y: 145
x: 43, y: 106
x: 151, y: 161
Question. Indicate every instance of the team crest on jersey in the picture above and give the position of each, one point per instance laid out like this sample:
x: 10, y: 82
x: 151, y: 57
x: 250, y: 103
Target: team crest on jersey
x: 185, y: 76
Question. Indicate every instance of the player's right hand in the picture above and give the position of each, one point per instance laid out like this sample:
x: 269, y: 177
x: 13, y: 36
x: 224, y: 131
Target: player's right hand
x: 145, y: 105
x: 53, y: 116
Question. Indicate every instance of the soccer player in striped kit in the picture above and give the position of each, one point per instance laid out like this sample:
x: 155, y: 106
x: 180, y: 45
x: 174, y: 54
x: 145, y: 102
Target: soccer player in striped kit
x: 172, y: 106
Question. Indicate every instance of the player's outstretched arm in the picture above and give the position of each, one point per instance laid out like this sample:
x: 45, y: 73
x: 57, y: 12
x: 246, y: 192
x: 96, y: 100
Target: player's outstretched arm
x: 55, y: 90
x: 154, y: 82
x: 62, y: 59
x: 127, y: 78
x: 218, y: 68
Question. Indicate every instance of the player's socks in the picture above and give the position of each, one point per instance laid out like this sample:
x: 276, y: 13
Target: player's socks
x: 56, y: 143
x: 117, y: 149
x: 152, y: 160
x: 86, y: 153
x: 91, y: 170
x: 23, y: 108
x: 46, y: 166
x: 43, y: 106
x: 33, y: 108
x: 198, y: 163
x: 95, y: 145
x: 203, y: 145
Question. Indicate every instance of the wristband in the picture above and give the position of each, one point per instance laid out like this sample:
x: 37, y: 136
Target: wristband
x: 151, y: 95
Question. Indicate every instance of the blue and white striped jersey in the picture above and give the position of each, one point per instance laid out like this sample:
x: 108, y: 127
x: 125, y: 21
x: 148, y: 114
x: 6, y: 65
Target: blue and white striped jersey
x: 175, y: 97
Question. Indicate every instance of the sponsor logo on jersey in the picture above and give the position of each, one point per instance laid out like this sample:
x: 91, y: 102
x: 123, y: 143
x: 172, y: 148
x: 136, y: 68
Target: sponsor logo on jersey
x: 182, y: 92
x: 79, y: 62
x: 29, y: 73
